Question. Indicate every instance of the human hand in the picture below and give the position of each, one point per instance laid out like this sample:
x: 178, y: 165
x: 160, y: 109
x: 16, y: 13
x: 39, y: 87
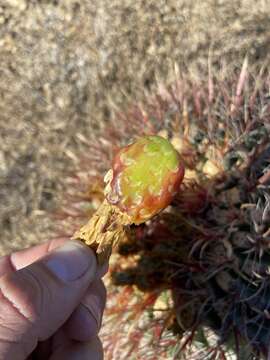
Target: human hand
x: 51, y: 303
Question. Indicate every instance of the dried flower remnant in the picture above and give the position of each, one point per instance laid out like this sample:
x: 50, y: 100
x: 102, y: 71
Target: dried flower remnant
x: 144, y: 179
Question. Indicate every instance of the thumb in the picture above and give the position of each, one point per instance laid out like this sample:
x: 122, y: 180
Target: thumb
x: 36, y: 300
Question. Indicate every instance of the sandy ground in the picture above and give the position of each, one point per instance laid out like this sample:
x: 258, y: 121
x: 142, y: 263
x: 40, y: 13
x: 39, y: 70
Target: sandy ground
x: 62, y: 63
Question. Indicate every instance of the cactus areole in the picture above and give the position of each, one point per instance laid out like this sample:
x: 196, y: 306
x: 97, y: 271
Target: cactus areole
x: 146, y: 175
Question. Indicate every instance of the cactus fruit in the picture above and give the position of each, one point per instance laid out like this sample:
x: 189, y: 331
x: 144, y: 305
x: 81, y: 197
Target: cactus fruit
x: 193, y: 281
x: 146, y: 176
x: 144, y: 179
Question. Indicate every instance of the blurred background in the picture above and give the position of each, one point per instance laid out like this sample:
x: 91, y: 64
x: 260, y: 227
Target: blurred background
x: 65, y: 65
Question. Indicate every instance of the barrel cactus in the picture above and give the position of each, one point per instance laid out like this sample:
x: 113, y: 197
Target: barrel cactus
x: 192, y: 282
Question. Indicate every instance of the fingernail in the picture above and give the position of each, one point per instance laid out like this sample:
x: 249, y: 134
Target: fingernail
x: 71, y: 261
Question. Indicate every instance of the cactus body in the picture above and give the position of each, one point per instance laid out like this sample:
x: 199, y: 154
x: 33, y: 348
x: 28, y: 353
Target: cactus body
x: 192, y: 281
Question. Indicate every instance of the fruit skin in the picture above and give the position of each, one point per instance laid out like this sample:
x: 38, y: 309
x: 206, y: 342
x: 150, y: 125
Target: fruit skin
x: 146, y: 176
